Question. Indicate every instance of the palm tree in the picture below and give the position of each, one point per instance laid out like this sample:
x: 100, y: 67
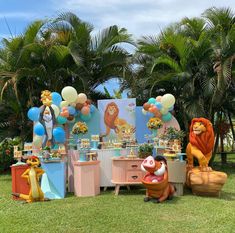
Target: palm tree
x: 97, y: 58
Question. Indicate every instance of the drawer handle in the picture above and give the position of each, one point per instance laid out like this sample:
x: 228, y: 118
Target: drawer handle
x: 134, y: 177
x: 134, y: 166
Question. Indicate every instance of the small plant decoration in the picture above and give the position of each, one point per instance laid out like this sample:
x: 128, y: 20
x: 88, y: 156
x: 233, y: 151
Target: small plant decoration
x: 145, y: 150
x: 80, y: 128
x: 154, y: 123
x: 172, y: 134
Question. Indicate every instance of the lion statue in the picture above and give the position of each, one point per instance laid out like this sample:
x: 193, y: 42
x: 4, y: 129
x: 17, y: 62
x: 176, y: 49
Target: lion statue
x: 201, y: 143
x: 111, y: 119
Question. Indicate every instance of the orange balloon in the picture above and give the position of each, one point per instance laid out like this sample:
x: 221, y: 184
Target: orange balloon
x: 146, y: 106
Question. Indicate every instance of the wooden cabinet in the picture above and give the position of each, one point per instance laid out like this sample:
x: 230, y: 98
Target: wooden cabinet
x: 126, y: 172
x: 86, y: 178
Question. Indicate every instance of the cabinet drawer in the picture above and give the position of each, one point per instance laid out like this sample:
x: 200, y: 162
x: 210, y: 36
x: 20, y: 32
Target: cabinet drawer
x: 134, y: 165
x: 134, y: 176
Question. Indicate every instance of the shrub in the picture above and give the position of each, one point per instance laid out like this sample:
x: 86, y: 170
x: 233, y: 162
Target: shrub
x: 7, y: 152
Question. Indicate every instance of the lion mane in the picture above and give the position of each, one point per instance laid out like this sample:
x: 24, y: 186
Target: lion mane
x: 205, y: 141
x: 109, y: 120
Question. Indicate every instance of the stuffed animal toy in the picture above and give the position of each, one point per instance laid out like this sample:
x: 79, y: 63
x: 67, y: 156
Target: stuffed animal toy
x: 156, y: 179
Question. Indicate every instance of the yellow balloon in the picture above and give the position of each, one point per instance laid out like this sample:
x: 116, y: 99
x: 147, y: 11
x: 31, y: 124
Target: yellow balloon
x: 64, y: 104
x: 69, y: 94
x: 168, y: 100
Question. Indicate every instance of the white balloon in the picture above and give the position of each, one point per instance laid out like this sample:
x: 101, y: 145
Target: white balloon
x: 64, y: 104
x: 69, y: 94
x: 168, y: 100
x: 144, y: 112
x: 81, y: 98
x: 164, y: 111
x: 56, y: 110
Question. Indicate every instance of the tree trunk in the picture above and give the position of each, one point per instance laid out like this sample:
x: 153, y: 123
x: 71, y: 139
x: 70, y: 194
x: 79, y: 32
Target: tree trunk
x: 231, y: 124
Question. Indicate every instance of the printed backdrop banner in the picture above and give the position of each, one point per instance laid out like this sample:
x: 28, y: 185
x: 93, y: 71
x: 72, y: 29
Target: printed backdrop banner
x: 117, y: 118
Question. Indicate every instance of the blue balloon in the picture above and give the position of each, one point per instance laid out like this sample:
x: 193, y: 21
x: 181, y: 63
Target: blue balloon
x: 34, y: 113
x: 61, y: 120
x: 158, y: 105
x: 85, y: 117
x: 166, y: 117
x: 78, y: 112
x: 92, y: 108
x: 72, y: 110
x: 39, y: 129
x: 152, y: 101
x: 59, y: 135
x: 56, y: 98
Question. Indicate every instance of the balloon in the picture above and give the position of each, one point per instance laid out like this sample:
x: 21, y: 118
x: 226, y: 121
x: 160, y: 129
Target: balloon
x: 158, y: 114
x: 34, y: 113
x: 151, y: 109
x: 85, y: 117
x: 164, y: 111
x: 72, y: 110
x: 61, y: 120
x: 64, y: 104
x: 171, y: 108
x: 78, y: 112
x: 37, y: 141
x: 151, y: 101
x: 64, y: 113
x: 56, y: 110
x: 88, y: 101
x: 144, y: 112
x: 168, y: 100
x: 59, y: 135
x: 167, y: 117
x: 56, y: 98
x: 73, y: 104
x: 158, y: 99
x: 85, y: 110
x: 81, y: 98
x: 79, y: 106
x: 69, y: 94
x: 146, y: 106
x: 70, y: 118
x: 39, y: 129
x: 92, y: 108
x: 158, y: 105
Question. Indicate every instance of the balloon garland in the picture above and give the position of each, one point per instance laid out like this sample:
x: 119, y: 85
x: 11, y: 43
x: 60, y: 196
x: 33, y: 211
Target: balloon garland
x: 66, y: 106
x: 160, y: 107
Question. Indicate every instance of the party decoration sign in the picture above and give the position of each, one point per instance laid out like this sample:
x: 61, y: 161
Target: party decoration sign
x: 117, y: 118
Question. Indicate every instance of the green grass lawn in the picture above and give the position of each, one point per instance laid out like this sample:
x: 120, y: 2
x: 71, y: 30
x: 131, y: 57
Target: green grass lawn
x: 124, y: 213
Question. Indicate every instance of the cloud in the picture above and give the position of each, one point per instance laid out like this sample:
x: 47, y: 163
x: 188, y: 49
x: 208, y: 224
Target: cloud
x: 19, y: 15
x: 140, y: 17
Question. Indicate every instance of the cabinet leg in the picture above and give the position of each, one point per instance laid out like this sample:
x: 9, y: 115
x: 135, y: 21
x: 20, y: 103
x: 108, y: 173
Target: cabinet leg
x: 117, y: 187
x: 128, y: 187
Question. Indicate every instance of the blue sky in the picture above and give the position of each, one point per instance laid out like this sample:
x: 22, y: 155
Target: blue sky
x: 139, y: 17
